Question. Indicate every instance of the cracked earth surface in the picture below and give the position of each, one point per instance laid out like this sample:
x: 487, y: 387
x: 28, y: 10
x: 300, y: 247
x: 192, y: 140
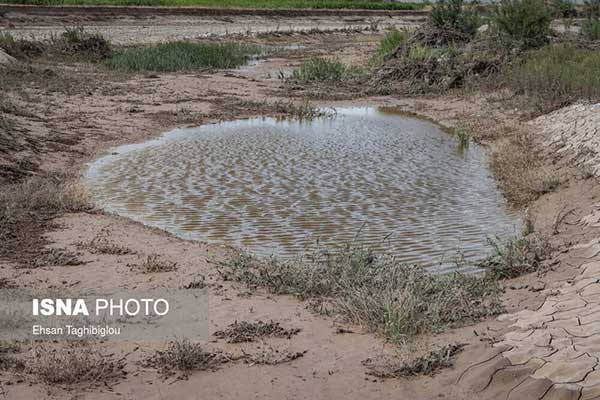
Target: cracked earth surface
x: 553, y: 351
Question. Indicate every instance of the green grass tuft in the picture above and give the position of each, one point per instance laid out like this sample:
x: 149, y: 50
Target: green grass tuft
x: 318, y: 69
x: 183, y: 56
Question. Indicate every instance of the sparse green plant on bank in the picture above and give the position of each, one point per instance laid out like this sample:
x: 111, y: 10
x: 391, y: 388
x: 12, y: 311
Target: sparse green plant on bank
x: 379, y: 293
x: 183, y: 56
x: 523, y: 22
x: 454, y: 14
x: 318, y: 70
x: 185, y: 355
x: 557, y: 75
x: 517, y: 256
x: 463, y: 137
x: 78, y: 41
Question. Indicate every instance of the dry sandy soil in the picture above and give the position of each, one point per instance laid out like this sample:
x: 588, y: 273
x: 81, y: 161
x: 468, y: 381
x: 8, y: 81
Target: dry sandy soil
x: 500, y: 360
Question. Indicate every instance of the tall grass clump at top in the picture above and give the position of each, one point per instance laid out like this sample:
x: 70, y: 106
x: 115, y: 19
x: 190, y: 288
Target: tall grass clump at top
x: 389, y: 43
x: 453, y: 14
x: 379, y: 293
x: 523, y: 22
x: 183, y: 56
x: 558, y: 75
x: 318, y: 69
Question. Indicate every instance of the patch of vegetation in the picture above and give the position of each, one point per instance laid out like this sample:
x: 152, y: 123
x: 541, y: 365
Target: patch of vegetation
x: 183, y: 56
x: 557, y: 75
x: 590, y: 29
x: 519, y: 169
x: 390, y: 42
x: 55, y: 257
x: 379, y: 293
x: 428, y: 364
x: 101, y: 244
x: 591, y: 8
x: 318, y: 70
x: 185, y: 356
x: 454, y: 15
x: 8, y: 361
x: 154, y: 264
x: 272, y: 356
x: 199, y: 283
x: 275, y: 4
x: 76, y: 363
x: 241, y: 332
x: 76, y: 41
x: 517, y: 256
x: 46, y: 194
x: 463, y: 137
x: 564, y: 9
x: 523, y: 22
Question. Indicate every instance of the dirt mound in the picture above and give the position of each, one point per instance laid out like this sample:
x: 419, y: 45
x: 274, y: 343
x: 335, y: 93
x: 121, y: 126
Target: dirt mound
x: 437, y: 59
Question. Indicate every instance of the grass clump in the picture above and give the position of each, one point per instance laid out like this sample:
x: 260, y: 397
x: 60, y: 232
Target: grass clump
x: 463, y: 137
x: 389, y: 43
x: 77, y: 363
x: 75, y: 41
x: 523, y: 22
x: 186, y: 356
x: 154, y: 264
x: 318, y: 70
x: 8, y: 361
x: 517, y: 256
x: 242, y: 332
x: 427, y: 364
x: 557, y: 75
x: 590, y: 29
x: 183, y: 56
x: 453, y: 14
x: 563, y: 9
x: 379, y: 293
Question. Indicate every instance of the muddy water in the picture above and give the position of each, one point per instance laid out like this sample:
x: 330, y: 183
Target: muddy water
x: 396, y: 183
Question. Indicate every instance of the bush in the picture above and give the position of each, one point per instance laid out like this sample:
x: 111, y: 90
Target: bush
x: 318, y: 69
x: 390, y: 43
x: 558, y: 75
x: 454, y: 15
x: 76, y: 41
x: 183, y: 56
x: 526, y: 22
x: 590, y: 29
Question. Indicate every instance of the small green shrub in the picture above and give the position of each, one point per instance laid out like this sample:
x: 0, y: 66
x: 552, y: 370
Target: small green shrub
x: 590, y: 29
x: 77, y: 41
x: 390, y: 43
x: 526, y: 22
x: 455, y: 15
x: 318, y: 69
x: 183, y: 56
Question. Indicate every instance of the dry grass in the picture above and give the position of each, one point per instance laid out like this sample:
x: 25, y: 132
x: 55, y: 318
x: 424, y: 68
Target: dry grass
x: 428, y: 364
x: 55, y: 257
x: 379, y: 293
x: 101, y: 244
x: 153, y: 264
x: 74, y: 363
x: 272, y: 356
x: 8, y: 361
x: 241, y: 332
x: 185, y: 356
x: 520, y: 170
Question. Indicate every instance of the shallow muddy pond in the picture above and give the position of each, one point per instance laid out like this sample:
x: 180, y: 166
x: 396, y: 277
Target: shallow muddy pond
x: 373, y: 176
